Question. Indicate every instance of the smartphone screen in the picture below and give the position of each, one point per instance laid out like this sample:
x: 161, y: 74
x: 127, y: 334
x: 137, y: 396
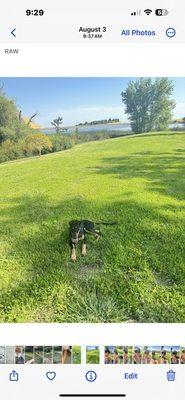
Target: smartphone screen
x: 92, y: 146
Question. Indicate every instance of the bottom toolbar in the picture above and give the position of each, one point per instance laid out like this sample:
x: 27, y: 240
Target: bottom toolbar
x: 52, y: 382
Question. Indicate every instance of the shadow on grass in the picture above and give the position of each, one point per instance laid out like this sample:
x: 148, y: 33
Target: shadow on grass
x: 135, y: 272
x: 163, y: 173
x: 149, y: 135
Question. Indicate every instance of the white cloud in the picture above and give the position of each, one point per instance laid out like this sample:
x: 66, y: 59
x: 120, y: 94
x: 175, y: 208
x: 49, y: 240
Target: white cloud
x: 75, y: 115
x: 81, y: 114
x: 179, y: 110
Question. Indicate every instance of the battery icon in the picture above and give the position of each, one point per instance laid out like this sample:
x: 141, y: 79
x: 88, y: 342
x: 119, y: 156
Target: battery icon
x: 161, y: 12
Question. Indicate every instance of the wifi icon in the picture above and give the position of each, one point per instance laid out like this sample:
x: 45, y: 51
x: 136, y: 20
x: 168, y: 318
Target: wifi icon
x: 148, y: 11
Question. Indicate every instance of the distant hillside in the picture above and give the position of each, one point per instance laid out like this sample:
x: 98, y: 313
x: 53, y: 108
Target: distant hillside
x: 101, y: 121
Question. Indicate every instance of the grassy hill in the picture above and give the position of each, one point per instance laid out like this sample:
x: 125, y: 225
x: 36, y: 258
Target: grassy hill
x: 136, y: 272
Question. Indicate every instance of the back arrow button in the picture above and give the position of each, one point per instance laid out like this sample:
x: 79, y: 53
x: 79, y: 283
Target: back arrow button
x: 13, y: 32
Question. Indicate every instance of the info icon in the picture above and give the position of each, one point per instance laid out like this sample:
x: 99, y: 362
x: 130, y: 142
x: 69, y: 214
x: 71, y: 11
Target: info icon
x: 91, y: 376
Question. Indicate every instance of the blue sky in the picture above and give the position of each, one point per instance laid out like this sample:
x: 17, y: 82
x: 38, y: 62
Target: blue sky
x: 77, y: 99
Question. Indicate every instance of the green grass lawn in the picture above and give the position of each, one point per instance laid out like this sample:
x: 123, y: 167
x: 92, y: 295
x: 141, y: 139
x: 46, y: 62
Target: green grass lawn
x: 93, y: 356
x: 76, y: 354
x: 135, y: 272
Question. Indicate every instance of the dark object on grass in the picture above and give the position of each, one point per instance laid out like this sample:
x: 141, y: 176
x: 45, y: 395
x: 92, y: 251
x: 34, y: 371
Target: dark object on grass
x: 79, y: 231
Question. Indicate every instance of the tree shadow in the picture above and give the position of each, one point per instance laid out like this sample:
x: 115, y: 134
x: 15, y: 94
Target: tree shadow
x: 149, y: 134
x: 162, y: 173
x: 121, y: 282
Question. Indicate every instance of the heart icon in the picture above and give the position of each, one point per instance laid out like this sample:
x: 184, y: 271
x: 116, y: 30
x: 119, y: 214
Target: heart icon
x: 51, y: 375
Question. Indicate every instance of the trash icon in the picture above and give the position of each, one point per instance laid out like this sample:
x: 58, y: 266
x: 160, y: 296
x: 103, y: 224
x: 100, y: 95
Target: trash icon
x: 171, y: 376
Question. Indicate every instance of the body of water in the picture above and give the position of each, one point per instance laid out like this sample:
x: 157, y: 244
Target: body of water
x: 92, y: 128
x: 125, y: 127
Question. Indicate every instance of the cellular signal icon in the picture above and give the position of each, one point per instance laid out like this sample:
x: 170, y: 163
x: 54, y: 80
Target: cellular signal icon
x: 138, y: 12
x: 148, y: 11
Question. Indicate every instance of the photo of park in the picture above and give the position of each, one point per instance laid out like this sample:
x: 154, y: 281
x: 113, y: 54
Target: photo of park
x: 40, y: 355
x: 92, y: 183
x: 92, y: 355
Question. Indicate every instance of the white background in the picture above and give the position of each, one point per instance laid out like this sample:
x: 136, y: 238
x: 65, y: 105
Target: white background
x: 101, y: 59
x: 93, y: 334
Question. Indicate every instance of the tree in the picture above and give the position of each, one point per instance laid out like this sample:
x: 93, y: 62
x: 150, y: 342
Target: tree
x: 56, y: 142
x: 9, y: 119
x: 57, y: 124
x: 148, y: 104
x: 67, y: 142
x: 74, y: 134
x: 11, y: 151
x: 37, y: 143
x: 29, y: 120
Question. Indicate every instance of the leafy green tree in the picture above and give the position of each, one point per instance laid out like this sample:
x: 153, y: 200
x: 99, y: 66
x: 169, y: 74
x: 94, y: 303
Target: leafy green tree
x: 9, y: 118
x: 60, y: 143
x: 148, y: 104
x: 37, y: 143
x: 56, y: 141
x: 11, y: 151
x: 7, y: 151
x: 74, y: 135
x: 67, y: 143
